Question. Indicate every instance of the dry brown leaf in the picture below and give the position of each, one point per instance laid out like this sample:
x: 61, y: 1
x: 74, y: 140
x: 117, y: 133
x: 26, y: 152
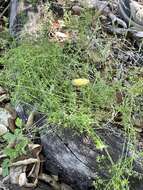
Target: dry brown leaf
x: 4, y: 96
x: 22, y: 179
x: 15, y: 173
x: 2, y: 90
x: 33, y: 146
x: 24, y: 162
x: 11, y: 124
x: 139, y: 130
x: 34, y: 184
x: 30, y: 120
x: 35, y: 170
x: 61, y: 36
x: 48, y: 179
x: 11, y: 110
x: 1, y: 171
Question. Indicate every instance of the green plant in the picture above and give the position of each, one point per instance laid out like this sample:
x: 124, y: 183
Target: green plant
x: 17, y: 147
x: 5, y: 167
x: 5, y: 40
x: 43, y: 74
x: 20, y: 142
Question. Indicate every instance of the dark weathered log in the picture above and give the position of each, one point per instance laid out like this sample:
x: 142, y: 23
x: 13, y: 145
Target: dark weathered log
x: 74, y: 157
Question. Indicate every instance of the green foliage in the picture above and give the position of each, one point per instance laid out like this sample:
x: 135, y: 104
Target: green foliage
x: 43, y: 74
x: 120, y: 174
x: 19, y: 142
x: 18, y: 122
x: 33, y: 2
x: 5, y: 40
x: 5, y: 167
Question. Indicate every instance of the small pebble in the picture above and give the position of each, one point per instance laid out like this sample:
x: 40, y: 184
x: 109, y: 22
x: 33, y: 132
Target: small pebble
x: 76, y: 10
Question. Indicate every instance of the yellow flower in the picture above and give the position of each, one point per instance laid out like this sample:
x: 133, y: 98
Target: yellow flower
x: 80, y: 82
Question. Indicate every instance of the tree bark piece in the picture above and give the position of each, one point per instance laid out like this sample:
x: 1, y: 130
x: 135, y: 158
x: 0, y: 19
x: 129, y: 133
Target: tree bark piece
x: 74, y: 157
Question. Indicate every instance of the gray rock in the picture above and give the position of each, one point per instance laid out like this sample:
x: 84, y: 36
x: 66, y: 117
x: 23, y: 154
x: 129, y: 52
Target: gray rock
x: 4, y: 116
x: 3, y: 129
